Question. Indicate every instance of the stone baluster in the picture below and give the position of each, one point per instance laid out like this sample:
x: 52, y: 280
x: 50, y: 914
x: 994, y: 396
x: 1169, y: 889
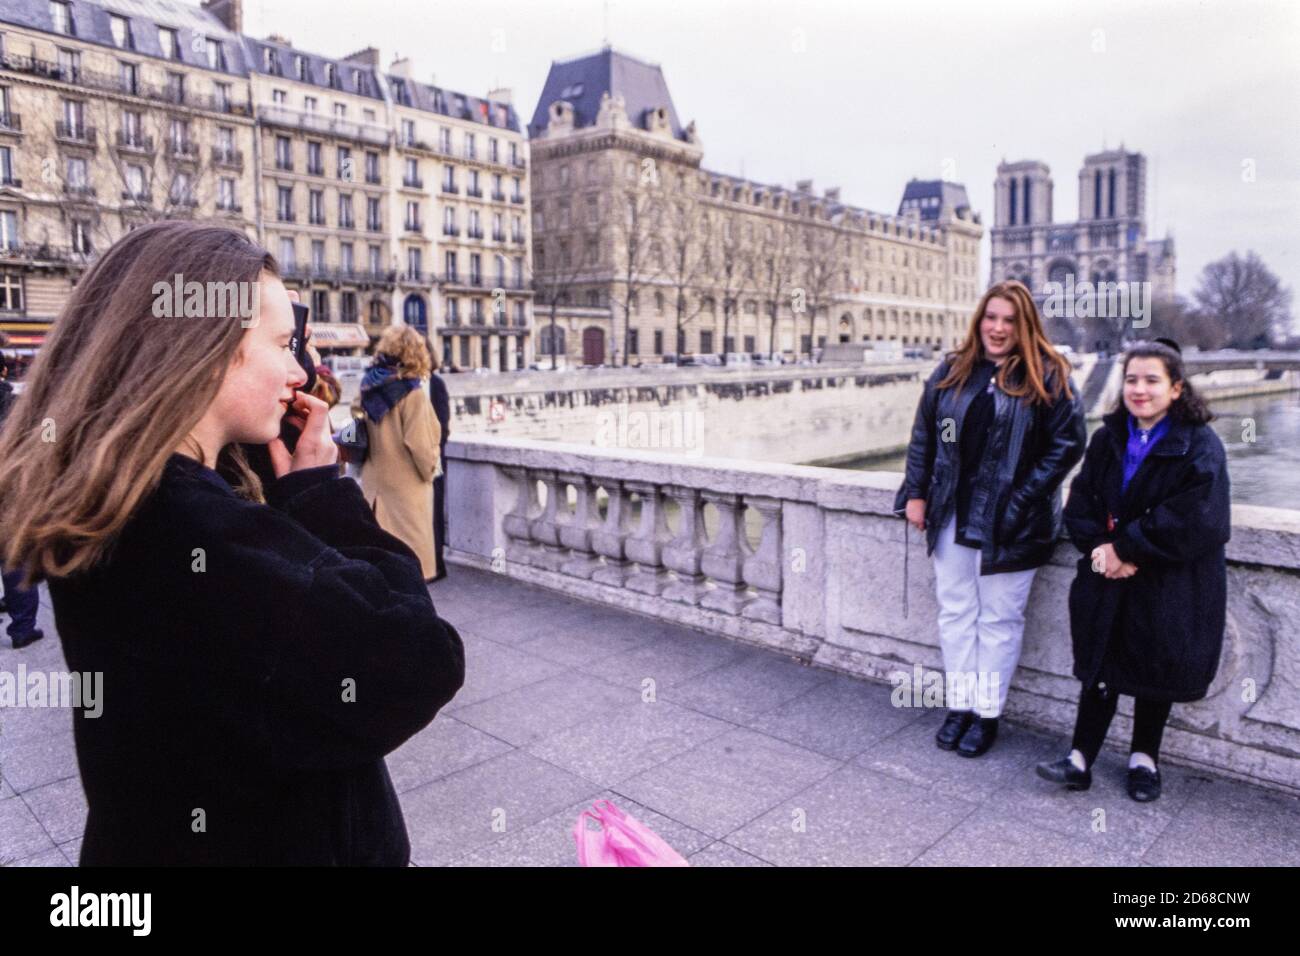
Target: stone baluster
x: 723, y: 560
x: 516, y: 523
x: 609, y: 541
x: 545, y: 528
x: 575, y: 534
x: 645, y: 545
x: 763, y: 568
x: 682, y: 554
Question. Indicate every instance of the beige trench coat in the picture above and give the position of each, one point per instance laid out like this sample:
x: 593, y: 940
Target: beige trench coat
x: 398, y: 473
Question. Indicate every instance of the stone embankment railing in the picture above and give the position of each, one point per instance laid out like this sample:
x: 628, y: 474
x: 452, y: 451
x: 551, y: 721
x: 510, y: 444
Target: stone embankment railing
x: 810, y: 562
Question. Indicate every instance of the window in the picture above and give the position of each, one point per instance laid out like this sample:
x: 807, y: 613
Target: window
x: 341, y: 110
x: 593, y: 209
x: 444, y: 139
x: 348, y: 306
x: 61, y: 14
x: 659, y: 342
x: 167, y: 39
x: 449, y: 265
x: 278, y: 96
x: 317, y: 256
x: 76, y: 172
x: 129, y: 77
x: 316, y: 207
x: 226, y: 193
x: 493, y: 150
x: 69, y: 64
x: 300, y: 67
x: 408, y: 132
x: 283, y: 153
x: 412, y: 216
x: 315, y: 165
x: 8, y: 229
x: 310, y: 104
x: 372, y: 167
x: 412, y: 177
x: 470, y: 151
x: 120, y: 28
x: 221, y: 96
x: 11, y: 287
x: 374, y: 260
x: 345, y: 163
x: 517, y: 195
x: 6, y: 165
x: 414, y: 262
x: 181, y: 189
x: 287, y: 254
x: 374, y: 222
x: 216, y: 55
x: 449, y: 221
x: 345, y: 211
x: 176, y: 87
x: 284, y: 203
x: 320, y: 303
x: 135, y: 180
x: 346, y: 263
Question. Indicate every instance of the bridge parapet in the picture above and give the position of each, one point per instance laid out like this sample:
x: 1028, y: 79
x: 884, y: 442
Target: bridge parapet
x: 811, y: 562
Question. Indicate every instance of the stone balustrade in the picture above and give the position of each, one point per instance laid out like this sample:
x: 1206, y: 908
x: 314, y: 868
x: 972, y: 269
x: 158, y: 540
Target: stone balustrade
x: 811, y: 562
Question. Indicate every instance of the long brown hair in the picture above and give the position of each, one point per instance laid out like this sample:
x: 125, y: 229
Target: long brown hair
x: 1023, y: 374
x: 113, y: 392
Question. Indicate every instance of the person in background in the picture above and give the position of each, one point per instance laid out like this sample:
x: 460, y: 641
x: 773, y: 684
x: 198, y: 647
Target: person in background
x: 403, y: 432
x: 1150, y: 510
x: 442, y: 408
x: 20, y: 603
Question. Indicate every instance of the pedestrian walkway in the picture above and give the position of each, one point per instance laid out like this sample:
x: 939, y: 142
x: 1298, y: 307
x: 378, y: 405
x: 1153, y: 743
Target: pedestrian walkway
x: 737, y: 756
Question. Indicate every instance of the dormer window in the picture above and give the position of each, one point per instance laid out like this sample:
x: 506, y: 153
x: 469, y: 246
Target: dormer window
x: 61, y: 14
x: 571, y: 92
x: 120, y: 27
x: 169, y: 43
x: 300, y: 67
x: 216, y: 55
x: 332, y: 75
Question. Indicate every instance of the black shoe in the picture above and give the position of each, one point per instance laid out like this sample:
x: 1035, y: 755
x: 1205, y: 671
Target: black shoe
x: 31, y: 637
x: 979, y: 737
x: 1143, y: 784
x: 3, y: 606
x: 954, y: 725
x: 1064, y: 771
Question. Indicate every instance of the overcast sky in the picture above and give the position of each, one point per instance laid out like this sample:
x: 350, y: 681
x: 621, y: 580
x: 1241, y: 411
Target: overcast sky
x: 864, y: 94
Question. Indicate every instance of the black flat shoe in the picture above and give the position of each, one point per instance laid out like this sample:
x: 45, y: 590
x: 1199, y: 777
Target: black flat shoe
x: 1143, y: 784
x: 1064, y: 771
x: 31, y: 638
x: 979, y: 737
x: 954, y: 725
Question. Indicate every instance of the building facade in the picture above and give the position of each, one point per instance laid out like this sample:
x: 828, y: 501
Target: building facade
x: 641, y: 252
x: 1106, y: 244
x: 153, y: 109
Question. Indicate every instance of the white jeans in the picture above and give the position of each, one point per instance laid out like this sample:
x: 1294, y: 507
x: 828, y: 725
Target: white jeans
x: 981, y: 625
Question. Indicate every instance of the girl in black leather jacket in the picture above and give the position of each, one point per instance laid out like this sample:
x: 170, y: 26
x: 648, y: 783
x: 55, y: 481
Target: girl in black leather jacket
x: 998, y: 428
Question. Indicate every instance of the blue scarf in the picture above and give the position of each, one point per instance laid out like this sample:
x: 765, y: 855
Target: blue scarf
x: 1140, y: 443
x: 381, y: 389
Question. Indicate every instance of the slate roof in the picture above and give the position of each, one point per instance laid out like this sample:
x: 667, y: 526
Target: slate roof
x: 583, y: 80
x: 951, y: 195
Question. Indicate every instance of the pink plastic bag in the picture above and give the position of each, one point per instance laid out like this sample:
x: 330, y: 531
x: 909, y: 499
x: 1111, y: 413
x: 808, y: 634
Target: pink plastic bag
x: 621, y: 840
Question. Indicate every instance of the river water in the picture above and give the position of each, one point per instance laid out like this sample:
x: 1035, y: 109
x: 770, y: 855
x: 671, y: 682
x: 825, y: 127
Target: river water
x: 1261, y: 434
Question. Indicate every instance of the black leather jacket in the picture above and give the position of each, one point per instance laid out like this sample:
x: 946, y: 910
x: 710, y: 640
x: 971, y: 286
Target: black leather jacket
x: 1016, y: 499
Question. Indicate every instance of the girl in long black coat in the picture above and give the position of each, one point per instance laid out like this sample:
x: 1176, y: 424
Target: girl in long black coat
x: 1150, y: 512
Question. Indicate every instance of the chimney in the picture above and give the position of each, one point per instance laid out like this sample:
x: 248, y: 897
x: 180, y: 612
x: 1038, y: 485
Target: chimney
x: 367, y: 57
x: 500, y: 95
x: 229, y: 12
x: 401, y: 67
x: 803, y: 186
x: 279, y: 38
x: 832, y: 193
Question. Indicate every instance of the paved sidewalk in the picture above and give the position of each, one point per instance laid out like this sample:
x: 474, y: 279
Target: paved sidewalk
x: 741, y: 757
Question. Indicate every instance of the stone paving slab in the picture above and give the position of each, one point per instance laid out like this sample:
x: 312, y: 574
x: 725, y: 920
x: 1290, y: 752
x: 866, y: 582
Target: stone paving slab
x: 736, y: 755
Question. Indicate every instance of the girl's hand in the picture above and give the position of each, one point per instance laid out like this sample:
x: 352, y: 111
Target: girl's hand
x: 915, y: 513
x: 315, y: 445
x: 1126, y: 570
x: 1106, y: 561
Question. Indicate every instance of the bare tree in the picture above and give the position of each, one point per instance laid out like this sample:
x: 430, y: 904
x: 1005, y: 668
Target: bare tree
x: 735, y: 273
x: 1247, y: 298
x: 635, y: 243
x: 686, y: 267
x: 775, y: 259
x: 555, y: 273
x: 819, y: 270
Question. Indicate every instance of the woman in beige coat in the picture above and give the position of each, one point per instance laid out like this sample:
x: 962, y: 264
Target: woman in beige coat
x: 403, y: 435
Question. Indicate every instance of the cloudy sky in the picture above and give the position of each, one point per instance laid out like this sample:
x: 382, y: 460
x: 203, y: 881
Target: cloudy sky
x: 864, y: 94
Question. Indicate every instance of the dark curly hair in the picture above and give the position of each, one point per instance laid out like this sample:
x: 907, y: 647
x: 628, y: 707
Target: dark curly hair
x: 1188, y: 407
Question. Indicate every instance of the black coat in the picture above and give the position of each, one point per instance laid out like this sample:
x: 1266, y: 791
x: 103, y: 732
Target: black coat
x: 226, y: 673
x: 1159, y: 633
x: 1016, y: 498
